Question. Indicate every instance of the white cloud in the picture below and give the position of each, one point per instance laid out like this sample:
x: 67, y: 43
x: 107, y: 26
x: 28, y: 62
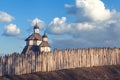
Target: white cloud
x: 59, y: 26
x: 11, y: 30
x: 5, y: 17
x: 68, y: 6
x: 39, y: 22
x: 95, y: 26
x: 89, y: 10
x: 93, y: 10
x: 102, y: 19
x: 58, y: 21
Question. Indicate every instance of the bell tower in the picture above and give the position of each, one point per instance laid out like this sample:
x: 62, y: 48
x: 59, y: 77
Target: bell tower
x: 45, y: 46
x: 36, y: 29
x: 44, y: 37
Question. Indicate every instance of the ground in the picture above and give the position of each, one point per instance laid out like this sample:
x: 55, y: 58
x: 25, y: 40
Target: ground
x: 93, y: 73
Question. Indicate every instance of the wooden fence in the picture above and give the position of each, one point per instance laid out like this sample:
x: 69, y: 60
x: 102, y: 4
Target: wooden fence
x: 17, y: 64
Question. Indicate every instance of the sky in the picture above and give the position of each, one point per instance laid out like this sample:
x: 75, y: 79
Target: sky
x: 68, y: 23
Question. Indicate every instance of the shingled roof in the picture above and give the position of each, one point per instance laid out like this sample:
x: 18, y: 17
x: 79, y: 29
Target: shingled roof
x: 36, y: 27
x: 34, y: 36
x: 44, y: 35
x: 29, y: 49
x: 44, y: 44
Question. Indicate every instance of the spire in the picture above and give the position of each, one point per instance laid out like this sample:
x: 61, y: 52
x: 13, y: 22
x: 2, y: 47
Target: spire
x: 44, y: 35
x: 36, y: 28
x: 45, y: 38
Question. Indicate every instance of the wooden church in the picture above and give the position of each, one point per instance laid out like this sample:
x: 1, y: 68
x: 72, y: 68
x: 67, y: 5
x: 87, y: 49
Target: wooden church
x: 36, y: 43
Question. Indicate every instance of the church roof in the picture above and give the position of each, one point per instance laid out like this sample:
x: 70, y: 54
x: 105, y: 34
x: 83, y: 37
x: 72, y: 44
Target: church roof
x: 34, y: 36
x: 36, y: 27
x: 44, y: 35
x: 44, y: 44
x: 31, y: 49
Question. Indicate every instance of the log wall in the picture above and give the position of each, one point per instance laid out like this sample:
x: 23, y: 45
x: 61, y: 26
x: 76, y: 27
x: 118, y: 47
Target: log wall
x: 17, y: 64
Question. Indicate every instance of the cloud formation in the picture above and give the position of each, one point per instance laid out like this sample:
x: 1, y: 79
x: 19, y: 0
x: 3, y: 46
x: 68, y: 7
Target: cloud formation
x: 5, y: 17
x: 39, y: 22
x: 68, y: 6
x: 11, y: 30
x: 92, y: 10
x: 59, y: 26
x: 95, y: 26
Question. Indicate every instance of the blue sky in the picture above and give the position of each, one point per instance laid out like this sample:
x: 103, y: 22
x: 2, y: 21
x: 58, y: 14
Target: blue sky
x: 69, y: 23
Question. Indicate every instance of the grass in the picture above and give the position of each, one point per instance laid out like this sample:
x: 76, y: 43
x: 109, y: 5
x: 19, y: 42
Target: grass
x: 93, y: 73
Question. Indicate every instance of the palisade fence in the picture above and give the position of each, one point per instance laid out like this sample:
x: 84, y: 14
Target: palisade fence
x: 17, y: 64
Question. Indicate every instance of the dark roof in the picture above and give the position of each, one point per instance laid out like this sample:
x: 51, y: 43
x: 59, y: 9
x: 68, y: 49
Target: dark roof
x: 44, y: 44
x: 31, y: 49
x: 34, y: 36
x: 36, y: 27
x: 44, y: 35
